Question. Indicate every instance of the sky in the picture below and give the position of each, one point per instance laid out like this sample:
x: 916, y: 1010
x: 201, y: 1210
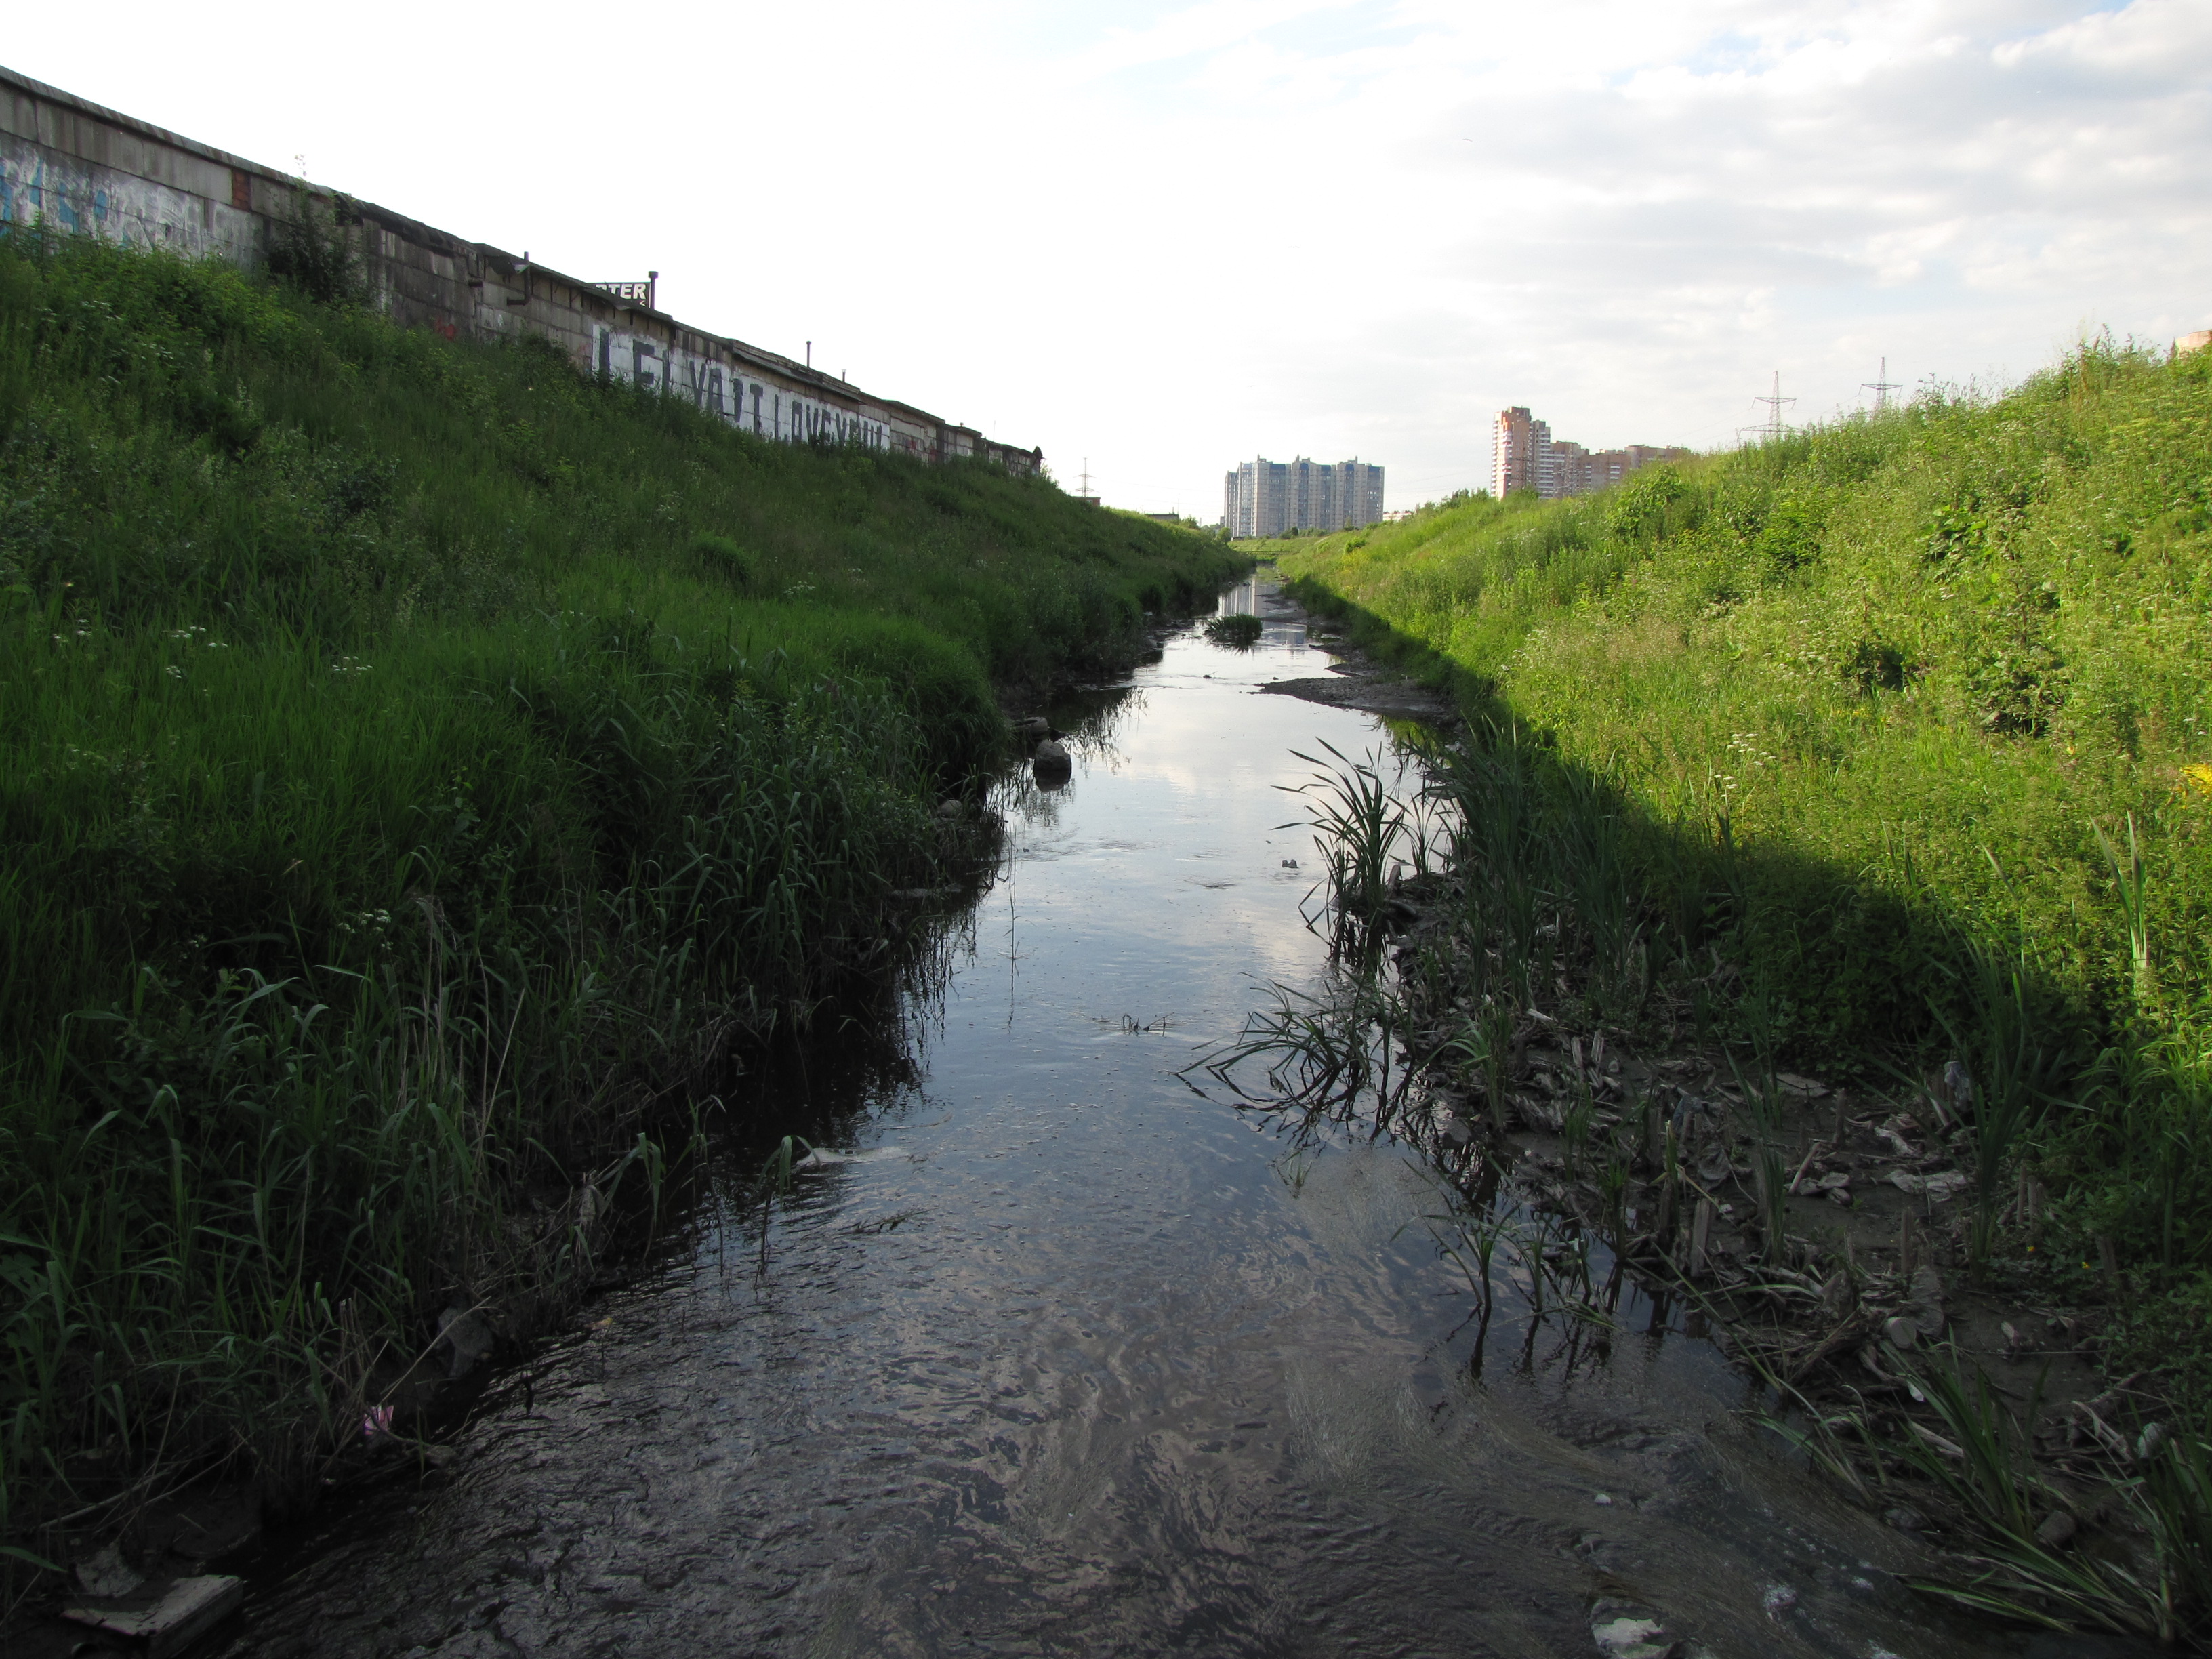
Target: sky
x: 1156, y: 238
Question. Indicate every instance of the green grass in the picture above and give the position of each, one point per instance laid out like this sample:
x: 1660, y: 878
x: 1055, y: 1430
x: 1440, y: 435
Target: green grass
x: 417, y: 759
x: 1912, y: 716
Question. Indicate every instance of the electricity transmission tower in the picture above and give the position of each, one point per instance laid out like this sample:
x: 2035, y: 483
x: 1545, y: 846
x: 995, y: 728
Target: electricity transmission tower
x: 1881, y: 385
x: 1774, y: 401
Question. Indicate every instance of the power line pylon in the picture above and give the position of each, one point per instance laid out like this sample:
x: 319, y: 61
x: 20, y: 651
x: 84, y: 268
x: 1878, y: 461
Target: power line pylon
x: 1881, y: 385
x: 1774, y: 400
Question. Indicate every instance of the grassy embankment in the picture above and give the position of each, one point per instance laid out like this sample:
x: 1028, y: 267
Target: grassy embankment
x: 416, y: 758
x: 1909, y: 717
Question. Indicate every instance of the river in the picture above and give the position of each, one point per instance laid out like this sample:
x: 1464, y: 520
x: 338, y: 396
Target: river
x: 1065, y: 1358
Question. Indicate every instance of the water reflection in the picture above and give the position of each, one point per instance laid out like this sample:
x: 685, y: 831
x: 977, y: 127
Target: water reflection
x: 1283, y: 624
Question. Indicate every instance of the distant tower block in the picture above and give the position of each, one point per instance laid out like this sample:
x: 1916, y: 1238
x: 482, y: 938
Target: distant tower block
x: 1263, y: 498
x: 1526, y: 457
x: 1521, y: 454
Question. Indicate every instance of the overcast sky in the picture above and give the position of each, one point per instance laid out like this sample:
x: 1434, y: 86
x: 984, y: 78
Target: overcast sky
x: 1161, y: 236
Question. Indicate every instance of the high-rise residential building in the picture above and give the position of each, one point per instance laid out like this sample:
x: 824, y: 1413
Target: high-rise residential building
x: 1520, y: 455
x: 1262, y: 498
x: 1525, y: 456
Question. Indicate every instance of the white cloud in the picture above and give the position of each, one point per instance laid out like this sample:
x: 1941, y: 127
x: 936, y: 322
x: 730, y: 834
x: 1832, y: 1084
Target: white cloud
x: 1165, y: 236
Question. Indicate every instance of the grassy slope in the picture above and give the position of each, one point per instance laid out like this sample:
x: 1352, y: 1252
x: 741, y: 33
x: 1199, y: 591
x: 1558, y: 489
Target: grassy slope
x: 1870, y: 695
x: 412, y: 755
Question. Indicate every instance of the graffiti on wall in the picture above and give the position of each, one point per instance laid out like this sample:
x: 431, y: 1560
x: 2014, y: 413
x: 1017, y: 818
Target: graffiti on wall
x: 760, y: 405
x: 80, y: 198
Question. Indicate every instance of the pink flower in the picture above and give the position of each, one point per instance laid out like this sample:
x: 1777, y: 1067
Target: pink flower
x: 379, y: 1421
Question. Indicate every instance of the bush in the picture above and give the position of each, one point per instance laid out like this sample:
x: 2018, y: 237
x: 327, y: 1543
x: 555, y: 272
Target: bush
x: 722, y: 557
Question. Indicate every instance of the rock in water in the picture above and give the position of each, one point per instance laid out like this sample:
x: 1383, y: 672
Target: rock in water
x: 466, y: 1339
x: 1051, y: 765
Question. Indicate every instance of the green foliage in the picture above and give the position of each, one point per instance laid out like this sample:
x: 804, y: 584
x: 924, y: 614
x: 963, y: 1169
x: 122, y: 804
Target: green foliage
x: 1238, y: 633
x: 417, y: 757
x: 310, y: 251
x: 720, y: 556
x: 1883, y: 704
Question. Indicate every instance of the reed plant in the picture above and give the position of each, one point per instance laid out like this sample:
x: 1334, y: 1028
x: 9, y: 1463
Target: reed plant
x: 1366, y: 835
x: 1978, y: 1467
x: 2013, y: 1070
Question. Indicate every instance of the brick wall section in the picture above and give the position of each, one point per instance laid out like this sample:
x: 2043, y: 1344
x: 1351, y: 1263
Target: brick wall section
x: 88, y: 170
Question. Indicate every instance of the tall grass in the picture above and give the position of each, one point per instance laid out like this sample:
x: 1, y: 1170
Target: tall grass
x: 417, y: 759
x: 1910, y: 717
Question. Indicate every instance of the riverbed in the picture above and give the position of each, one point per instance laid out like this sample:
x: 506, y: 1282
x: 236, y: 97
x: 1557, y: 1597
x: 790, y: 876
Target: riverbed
x: 1055, y: 1355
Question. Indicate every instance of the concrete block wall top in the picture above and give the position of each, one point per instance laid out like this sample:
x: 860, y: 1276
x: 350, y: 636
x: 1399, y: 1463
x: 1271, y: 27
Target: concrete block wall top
x: 69, y: 125
x: 99, y: 171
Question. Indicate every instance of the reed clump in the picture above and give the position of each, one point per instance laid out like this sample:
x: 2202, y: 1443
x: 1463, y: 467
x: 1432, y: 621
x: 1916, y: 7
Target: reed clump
x: 1238, y: 633
x: 417, y: 760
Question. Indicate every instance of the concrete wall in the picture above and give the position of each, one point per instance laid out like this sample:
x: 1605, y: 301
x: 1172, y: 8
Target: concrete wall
x: 86, y: 169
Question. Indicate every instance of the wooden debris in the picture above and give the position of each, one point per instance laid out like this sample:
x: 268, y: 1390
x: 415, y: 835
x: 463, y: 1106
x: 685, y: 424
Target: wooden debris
x: 164, y: 1620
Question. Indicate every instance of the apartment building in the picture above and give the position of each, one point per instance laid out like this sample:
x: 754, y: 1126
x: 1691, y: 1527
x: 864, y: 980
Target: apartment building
x: 1520, y: 457
x: 1525, y: 456
x: 1262, y: 498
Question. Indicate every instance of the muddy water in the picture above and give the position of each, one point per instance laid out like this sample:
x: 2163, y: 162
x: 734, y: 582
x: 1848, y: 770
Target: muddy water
x: 1065, y: 1359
